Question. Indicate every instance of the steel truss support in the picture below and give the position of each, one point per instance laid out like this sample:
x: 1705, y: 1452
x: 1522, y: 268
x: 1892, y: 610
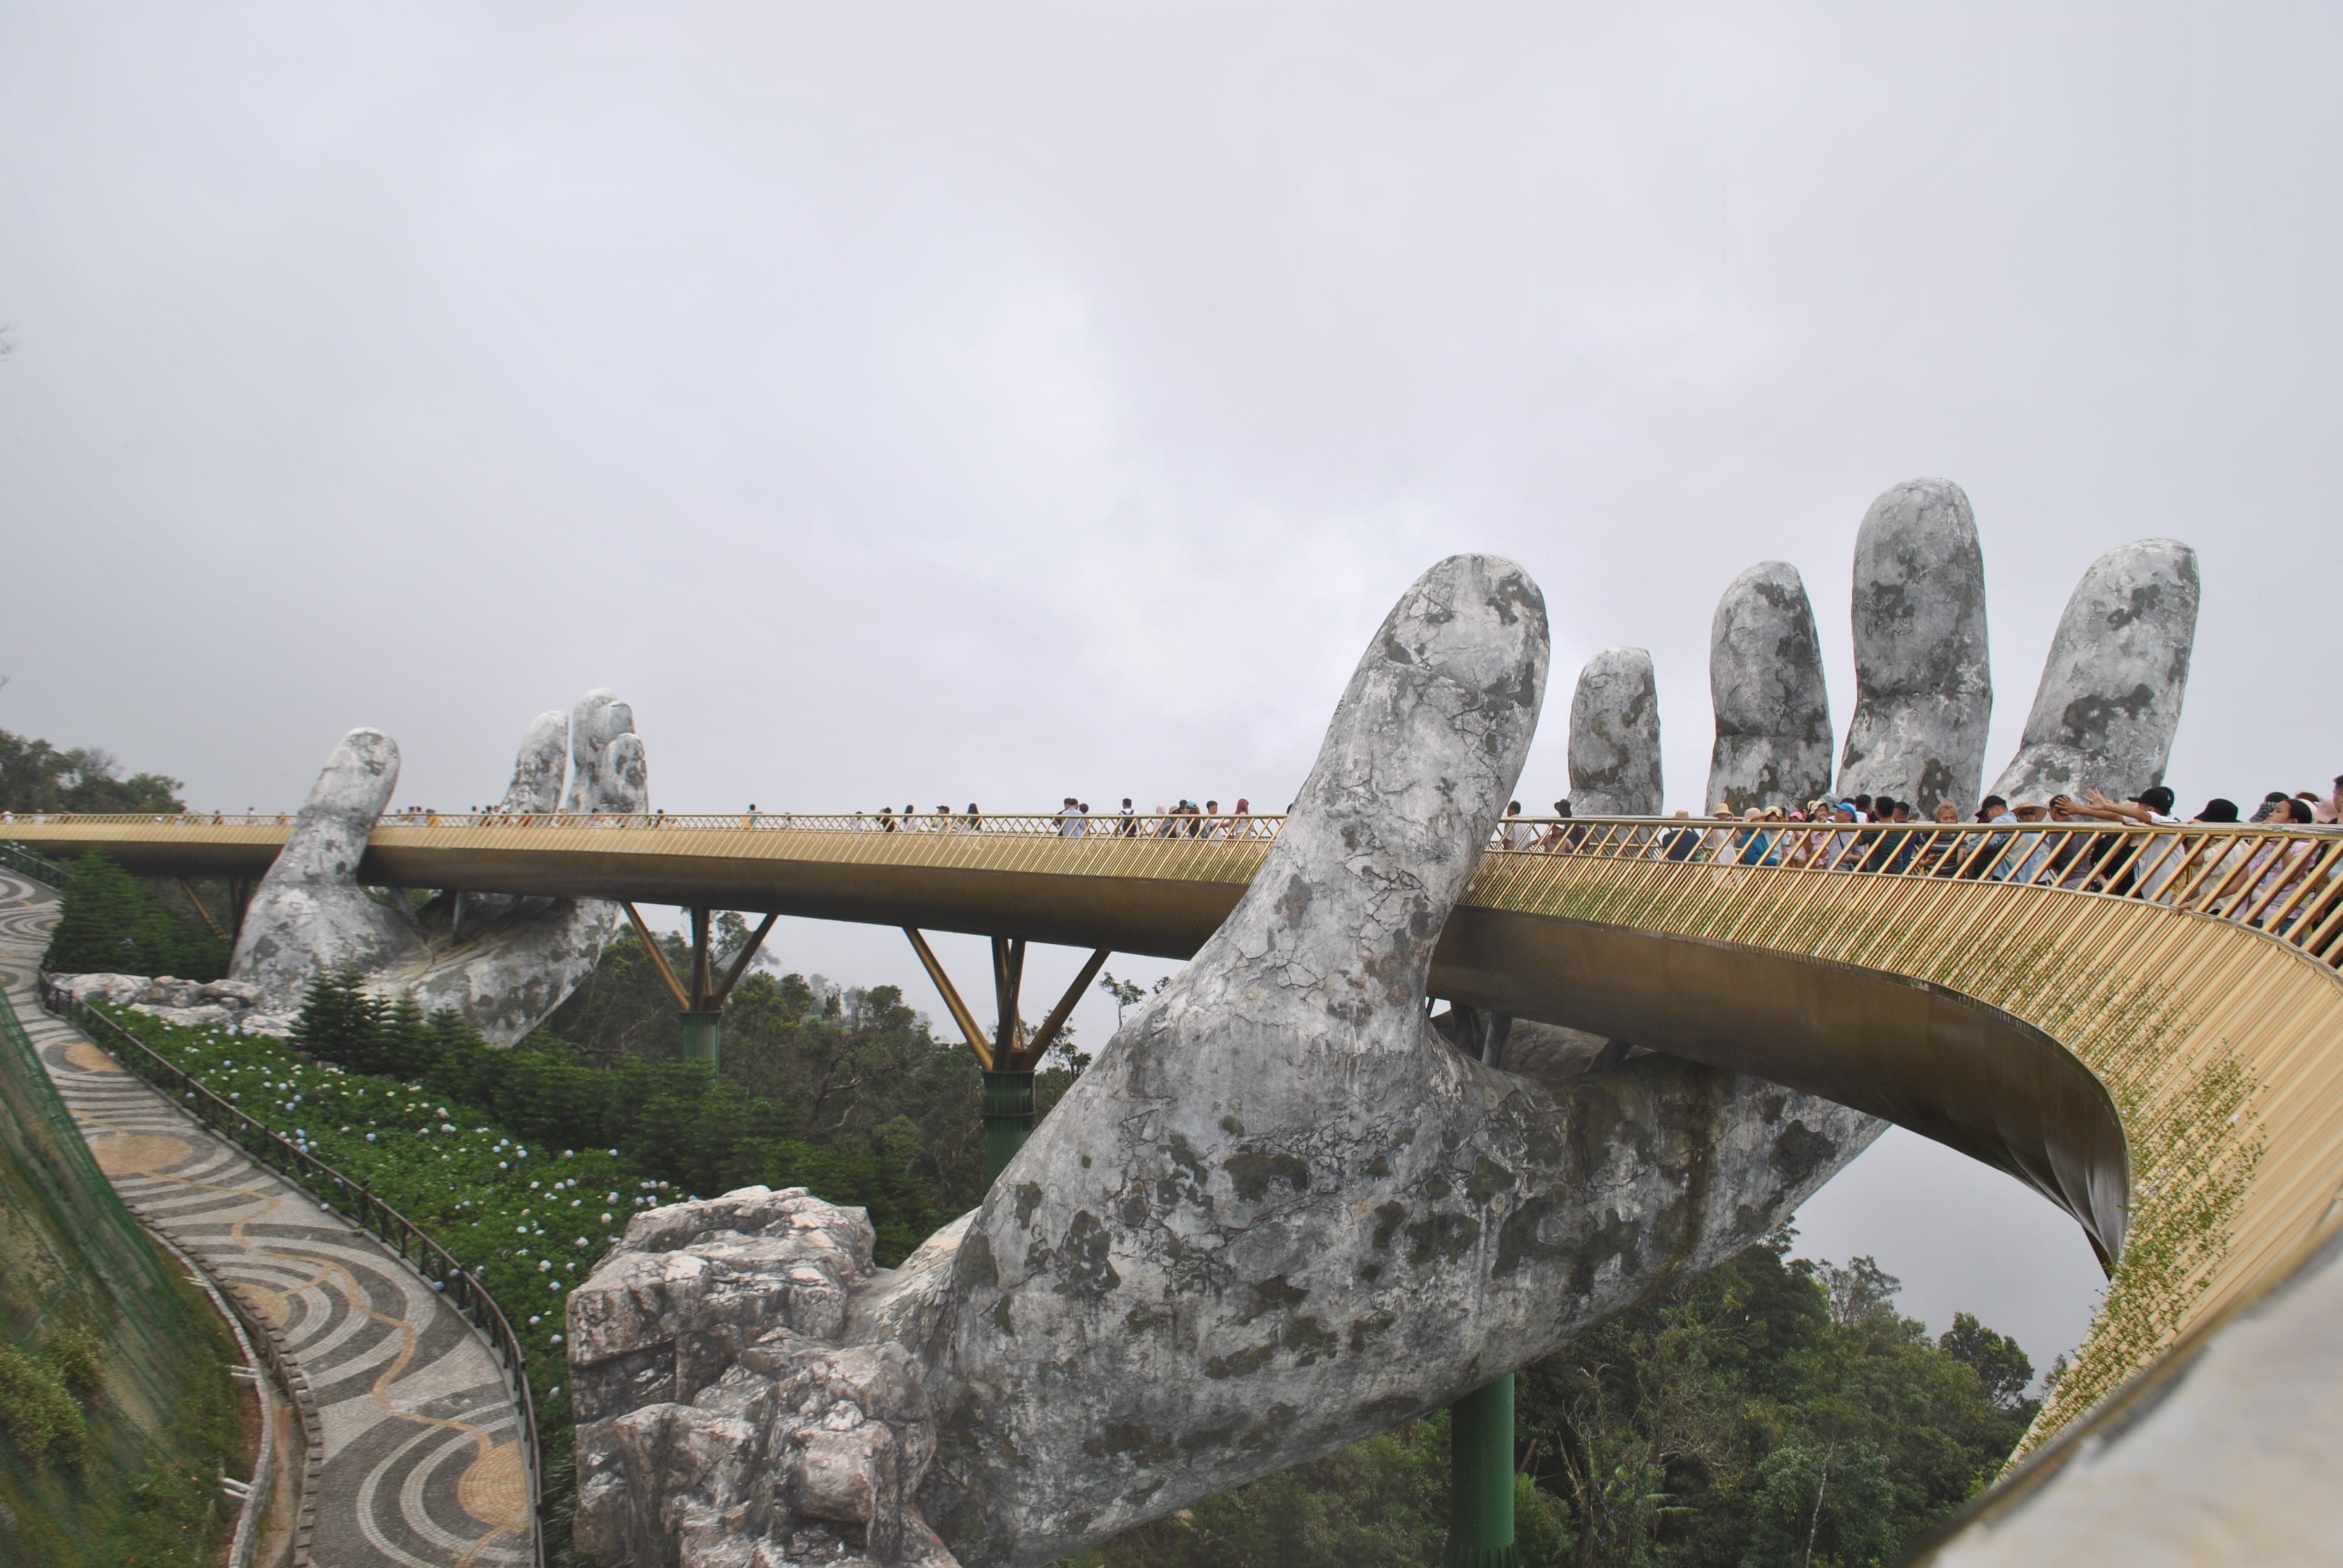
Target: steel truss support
x: 702, y: 1003
x: 202, y: 913
x: 1009, y: 1056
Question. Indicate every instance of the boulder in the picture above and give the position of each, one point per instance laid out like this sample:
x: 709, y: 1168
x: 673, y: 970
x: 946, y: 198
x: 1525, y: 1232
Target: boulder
x: 721, y: 1417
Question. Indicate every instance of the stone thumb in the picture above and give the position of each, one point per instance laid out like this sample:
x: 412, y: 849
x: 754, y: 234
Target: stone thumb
x: 538, y: 765
x: 1419, y: 760
x: 309, y: 915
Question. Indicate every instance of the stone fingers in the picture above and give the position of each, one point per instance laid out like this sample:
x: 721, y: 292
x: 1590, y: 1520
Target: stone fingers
x: 1614, y: 737
x: 512, y: 961
x: 1923, y: 683
x: 600, y: 721
x: 2109, y: 702
x: 1766, y: 682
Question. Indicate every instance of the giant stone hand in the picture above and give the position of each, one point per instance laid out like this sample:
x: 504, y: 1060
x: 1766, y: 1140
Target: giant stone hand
x: 502, y: 962
x: 1279, y: 1213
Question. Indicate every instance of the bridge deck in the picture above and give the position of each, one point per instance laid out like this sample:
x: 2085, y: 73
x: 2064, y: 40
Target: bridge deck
x: 2144, y: 1024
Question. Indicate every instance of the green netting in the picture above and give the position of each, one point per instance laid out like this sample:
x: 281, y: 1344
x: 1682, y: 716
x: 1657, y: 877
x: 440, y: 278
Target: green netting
x: 130, y: 1473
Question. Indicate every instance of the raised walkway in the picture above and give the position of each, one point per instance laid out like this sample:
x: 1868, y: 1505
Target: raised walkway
x: 421, y: 1462
x: 2143, y: 1024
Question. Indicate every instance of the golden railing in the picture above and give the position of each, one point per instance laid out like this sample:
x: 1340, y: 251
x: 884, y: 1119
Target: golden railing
x: 2282, y: 881
x: 2191, y: 968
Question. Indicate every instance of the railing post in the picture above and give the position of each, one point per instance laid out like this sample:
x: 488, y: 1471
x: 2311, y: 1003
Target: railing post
x: 1481, y: 1479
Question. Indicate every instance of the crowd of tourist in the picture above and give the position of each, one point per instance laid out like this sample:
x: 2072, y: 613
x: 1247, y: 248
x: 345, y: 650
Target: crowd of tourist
x: 2231, y: 873
x: 1073, y: 819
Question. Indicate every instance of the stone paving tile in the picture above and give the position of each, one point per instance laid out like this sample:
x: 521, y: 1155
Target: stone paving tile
x: 422, y: 1458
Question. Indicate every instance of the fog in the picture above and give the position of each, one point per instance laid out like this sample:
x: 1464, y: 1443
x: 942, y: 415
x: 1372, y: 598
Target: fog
x: 922, y: 404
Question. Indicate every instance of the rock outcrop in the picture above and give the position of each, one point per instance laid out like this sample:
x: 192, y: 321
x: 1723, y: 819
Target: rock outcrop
x: 1614, y: 737
x: 1279, y: 1212
x: 722, y: 1420
x: 1923, y: 683
x: 195, y: 1004
x: 1766, y: 682
x: 2111, y: 691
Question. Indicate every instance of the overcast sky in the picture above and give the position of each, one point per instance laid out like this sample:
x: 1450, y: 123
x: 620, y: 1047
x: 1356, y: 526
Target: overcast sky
x: 990, y: 403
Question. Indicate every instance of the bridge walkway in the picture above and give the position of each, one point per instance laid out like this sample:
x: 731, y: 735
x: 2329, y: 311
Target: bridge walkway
x: 422, y: 1467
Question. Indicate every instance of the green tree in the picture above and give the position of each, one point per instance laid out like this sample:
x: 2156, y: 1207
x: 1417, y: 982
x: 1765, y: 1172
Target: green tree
x: 2001, y: 1367
x: 36, y: 777
x: 109, y: 924
x: 1771, y: 1412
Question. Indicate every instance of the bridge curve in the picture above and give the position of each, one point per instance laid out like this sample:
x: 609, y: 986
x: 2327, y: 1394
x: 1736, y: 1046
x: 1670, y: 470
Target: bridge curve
x: 2144, y: 1025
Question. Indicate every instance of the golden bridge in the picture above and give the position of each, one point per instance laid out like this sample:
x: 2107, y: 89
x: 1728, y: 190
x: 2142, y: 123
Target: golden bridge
x: 2144, y: 1024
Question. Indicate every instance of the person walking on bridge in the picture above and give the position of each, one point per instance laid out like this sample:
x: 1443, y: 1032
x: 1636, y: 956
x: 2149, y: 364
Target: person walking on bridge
x: 1070, y: 819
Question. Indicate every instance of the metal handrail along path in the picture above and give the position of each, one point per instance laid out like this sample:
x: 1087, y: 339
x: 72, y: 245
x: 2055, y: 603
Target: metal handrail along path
x: 416, y: 1249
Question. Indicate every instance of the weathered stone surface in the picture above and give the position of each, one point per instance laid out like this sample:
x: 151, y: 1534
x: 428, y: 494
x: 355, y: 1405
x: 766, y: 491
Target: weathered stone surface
x: 1614, y: 737
x: 508, y: 964
x: 600, y: 719
x: 503, y: 962
x: 239, y: 1004
x: 540, y: 764
x: 721, y: 1420
x: 1923, y: 684
x: 2112, y: 688
x: 625, y: 777
x: 1766, y: 682
x: 310, y: 914
x: 1279, y: 1212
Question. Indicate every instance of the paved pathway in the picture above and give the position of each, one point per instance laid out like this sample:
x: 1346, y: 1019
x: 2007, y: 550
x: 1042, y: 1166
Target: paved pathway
x: 422, y: 1463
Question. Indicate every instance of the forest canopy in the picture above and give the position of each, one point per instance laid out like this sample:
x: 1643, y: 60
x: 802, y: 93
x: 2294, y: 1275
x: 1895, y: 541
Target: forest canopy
x: 35, y: 776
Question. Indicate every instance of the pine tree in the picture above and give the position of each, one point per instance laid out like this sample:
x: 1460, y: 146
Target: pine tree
x: 109, y: 924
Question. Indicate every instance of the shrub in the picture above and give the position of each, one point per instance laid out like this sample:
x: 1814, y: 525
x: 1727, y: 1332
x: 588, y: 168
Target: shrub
x: 40, y: 1418
x: 76, y: 1358
x: 109, y: 924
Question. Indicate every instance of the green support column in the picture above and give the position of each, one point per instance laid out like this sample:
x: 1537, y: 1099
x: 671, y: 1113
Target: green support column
x: 1008, y: 1119
x: 703, y: 1039
x: 1481, y: 1479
